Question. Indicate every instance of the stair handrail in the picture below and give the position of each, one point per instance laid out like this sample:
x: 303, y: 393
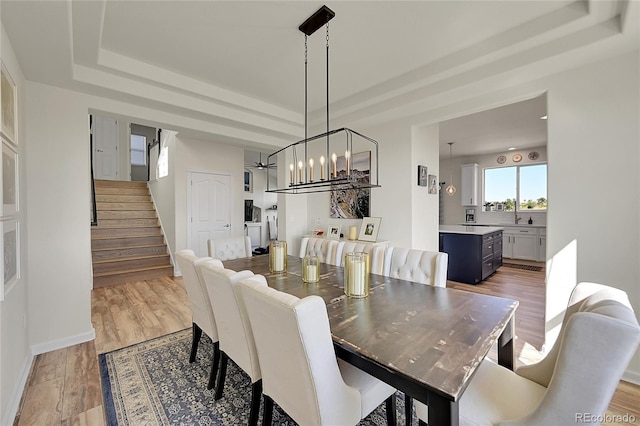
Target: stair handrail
x: 94, y: 207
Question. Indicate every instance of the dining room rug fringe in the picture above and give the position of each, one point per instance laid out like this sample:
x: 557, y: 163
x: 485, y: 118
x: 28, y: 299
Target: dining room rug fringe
x: 153, y: 383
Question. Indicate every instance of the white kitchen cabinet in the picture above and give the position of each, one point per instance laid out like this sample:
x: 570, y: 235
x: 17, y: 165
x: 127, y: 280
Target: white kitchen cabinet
x: 542, y: 245
x: 520, y: 243
x: 469, y: 184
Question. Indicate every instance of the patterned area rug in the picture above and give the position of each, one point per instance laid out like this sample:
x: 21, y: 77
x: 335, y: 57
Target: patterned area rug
x: 525, y: 267
x: 153, y: 383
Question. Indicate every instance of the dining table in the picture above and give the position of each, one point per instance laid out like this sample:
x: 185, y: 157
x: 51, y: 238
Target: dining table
x: 424, y: 341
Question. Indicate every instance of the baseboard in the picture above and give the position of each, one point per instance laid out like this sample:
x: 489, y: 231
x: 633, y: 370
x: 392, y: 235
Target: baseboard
x: 53, y: 345
x: 632, y: 377
x: 14, y: 399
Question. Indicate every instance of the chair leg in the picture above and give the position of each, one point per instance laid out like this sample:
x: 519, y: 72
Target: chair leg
x: 256, y: 393
x: 391, y: 410
x: 223, y: 372
x: 267, y: 414
x: 214, y: 365
x: 197, y: 333
x: 408, y: 409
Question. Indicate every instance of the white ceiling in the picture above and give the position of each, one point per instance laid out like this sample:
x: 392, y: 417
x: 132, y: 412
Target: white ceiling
x: 239, y: 65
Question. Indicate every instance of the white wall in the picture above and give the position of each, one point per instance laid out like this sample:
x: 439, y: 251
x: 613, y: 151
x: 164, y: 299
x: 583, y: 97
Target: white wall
x: 192, y: 155
x: 15, y: 354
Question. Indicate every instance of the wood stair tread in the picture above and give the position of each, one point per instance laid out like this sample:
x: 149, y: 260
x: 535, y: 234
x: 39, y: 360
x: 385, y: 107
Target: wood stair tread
x: 130, y: 271
x: 119, y: 237
x: 123, y: 226
x: 121, y: 259
x: 127, y: 247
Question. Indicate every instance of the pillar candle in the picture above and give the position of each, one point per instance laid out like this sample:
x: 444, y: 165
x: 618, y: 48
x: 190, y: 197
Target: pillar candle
x: 353, y: 232
x: 357, y: 277
x: 278, y: 259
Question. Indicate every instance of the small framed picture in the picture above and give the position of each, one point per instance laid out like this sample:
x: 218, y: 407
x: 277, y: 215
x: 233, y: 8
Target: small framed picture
x: 9, y: 180
x: 422, y: 176
x: 433, y: 184
x: 8, y: 97
x: 333, y: 232
x: 369, y: 229
x: 10, y: 252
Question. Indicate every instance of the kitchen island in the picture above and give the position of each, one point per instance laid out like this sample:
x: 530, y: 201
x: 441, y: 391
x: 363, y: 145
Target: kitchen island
x: 475, y: 252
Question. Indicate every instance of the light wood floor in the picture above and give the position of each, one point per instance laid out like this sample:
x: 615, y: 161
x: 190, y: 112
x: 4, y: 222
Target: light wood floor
x: 64, y: 385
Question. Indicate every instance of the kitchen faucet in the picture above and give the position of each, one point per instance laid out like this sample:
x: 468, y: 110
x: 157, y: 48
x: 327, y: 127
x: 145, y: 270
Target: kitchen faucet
x: 516, y: 218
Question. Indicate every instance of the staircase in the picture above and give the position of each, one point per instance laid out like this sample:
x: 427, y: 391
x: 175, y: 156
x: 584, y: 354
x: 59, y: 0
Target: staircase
x: 127, y: 245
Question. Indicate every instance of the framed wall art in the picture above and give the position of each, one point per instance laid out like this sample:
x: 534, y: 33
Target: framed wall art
x: 369, y: 229
x: 10, y: 253
x: 422, y: 176
x: 9, y: 95
x: 352, y: 203
x: 9, y: 180
x: 433, y: 184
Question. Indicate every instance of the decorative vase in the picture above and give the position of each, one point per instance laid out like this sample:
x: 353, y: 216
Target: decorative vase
x: 278, y: 256
x: 356, y: 274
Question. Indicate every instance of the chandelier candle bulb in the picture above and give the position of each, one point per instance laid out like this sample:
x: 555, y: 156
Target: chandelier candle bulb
x: 347, y: 156
x: 334, y: 166
x: 300, y: 166
x: 291, y: 175
x: 322, y: 167
x: 310, y: 169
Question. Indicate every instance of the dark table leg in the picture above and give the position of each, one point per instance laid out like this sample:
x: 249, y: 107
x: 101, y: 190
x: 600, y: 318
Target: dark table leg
x: 505, y: 345
x: 443, y: 411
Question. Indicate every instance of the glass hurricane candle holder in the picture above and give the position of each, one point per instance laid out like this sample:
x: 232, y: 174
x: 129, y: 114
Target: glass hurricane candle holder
x: 310, y: 269
x: 278, y: 256
x: 356, y: 274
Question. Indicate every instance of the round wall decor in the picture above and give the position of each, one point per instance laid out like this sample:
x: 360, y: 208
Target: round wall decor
x: 501, y: 159
x: 533, y: 155
x: 516, y: 158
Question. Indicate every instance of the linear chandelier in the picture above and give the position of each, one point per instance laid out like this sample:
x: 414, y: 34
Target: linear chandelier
x: 327, y: 152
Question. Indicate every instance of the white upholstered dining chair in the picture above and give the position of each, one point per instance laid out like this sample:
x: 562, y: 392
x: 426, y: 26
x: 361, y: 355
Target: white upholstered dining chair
x: 229, y: 248
x: 300, y: 371
x: 234, y: 330
x: 202, y: 318
x: 427, y: 267
x: 325, y: 249
x: 575, y: 381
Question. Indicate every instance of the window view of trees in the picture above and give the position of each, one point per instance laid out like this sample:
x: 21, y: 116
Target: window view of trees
x: 521, y: 186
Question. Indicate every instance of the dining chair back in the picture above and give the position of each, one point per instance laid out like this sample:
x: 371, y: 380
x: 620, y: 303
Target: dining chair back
x: 375, y: 252
x: 325, y: 249
x: 427, y: 267
x: 229, y: 248
x: 300, y: 371
x: 234, y: 330
x: 202, y: 317
x: 575, y: 381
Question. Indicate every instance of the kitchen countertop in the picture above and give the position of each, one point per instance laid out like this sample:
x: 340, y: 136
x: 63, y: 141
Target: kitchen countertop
x: 466, y: 229
x: 510, y: 225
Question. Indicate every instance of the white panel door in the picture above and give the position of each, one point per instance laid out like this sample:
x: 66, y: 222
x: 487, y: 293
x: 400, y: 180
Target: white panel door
x: 210, y: 210
x: 105, y: 148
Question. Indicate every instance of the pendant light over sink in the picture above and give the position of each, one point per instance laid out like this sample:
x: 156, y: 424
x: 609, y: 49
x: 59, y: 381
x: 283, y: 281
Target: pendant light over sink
x: 450, y: 189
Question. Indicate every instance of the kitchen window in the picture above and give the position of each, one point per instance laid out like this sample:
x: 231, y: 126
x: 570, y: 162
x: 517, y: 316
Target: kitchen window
x: 515, y: 188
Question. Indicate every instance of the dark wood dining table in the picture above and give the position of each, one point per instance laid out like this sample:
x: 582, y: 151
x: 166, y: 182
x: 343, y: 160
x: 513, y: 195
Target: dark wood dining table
x: 425, y: 341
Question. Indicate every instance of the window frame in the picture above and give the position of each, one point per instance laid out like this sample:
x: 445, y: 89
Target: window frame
x: 517, y: 208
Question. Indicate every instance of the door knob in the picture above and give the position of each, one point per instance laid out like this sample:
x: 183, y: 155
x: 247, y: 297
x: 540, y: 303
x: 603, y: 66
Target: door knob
x: 227, y: 225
